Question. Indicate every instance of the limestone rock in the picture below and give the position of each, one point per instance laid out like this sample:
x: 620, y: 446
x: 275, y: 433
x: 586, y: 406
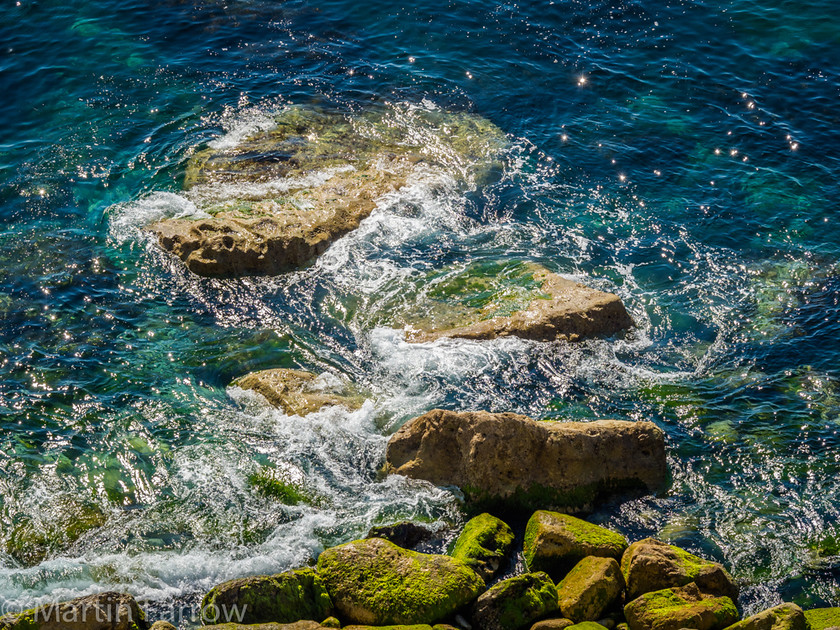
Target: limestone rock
x: 682, y: 607
x: 104, y: 611
x: 296, y: 392
x: 556, y: 542
x: 590, y: 588
x: 553, y: 624
x: 375, y: 582
x: 404, y: 534
x: 516, y: 602
x: 510, y: 460
x: 282, y: 598
x: 560, y: 309
x: 782, y: 617
x: 483, y: 545
x: 823, y: 618
x: 652, y: 565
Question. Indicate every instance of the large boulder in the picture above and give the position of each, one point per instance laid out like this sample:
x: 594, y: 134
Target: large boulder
x: 782, y: 617
x: 683, y: 607
x: 823, y: 618
x: 374, y: 582
x: 484, y: 544
x: 103, y: 611
x: 511, y: 461
x: 296, y: 392
x: 282, y: 598
x: 652, y: 565
x: 558, y: 309
x: 516, y: 602
x: 556, y: 542
x: 590, y: 589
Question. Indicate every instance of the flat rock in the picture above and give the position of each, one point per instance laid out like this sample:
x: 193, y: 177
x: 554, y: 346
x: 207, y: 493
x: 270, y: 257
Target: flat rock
x: 590, y: 589
x: 782, y: 617
x: 823, y: 618
x: 516, y: 603
x: 652, y: 565
x: 511, y: 461
x: 297, y: 392
x: 560, y: 309
x: 103, y: 611
x: 682, y: 607
x: 374, y: 582
x: 484, y: 545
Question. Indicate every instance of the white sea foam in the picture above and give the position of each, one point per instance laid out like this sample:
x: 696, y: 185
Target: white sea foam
x: 127, y: 219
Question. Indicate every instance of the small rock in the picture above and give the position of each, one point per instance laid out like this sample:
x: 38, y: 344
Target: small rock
x: 162, y: 625
x: 483, y: 545
x: 587, y: 625
x: 590, y: 588
x: 295, y: 392
x: 651, y: 565
x: 516, y: 602
x: 513, y: 462
x: 553, y: 624
x: 404, y: 534
x: 282, y: 598
x: 331, y: 622
x: 375, y: 582
x: 682, y: 607
x: 823, y: 618
x: 556, y: 542
x: 782, y: 617
x: 103, y: 611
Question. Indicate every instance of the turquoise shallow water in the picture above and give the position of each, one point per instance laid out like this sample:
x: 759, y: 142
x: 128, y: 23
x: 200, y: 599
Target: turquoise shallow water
x: 685, y: 155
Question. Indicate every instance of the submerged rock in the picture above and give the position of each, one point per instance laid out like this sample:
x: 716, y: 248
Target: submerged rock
x: 510, y: 461
x: 104, y: 611
x: 823, y: 618
x: 556, y: 542
x: 590, y: 589
x: 651, y: 565
x: 282, y: 598
x: 483, y: 545
x: 683, y: 607
x: 279, y: 198
x: 375, y: 582
x: 404, y: 534
x: 296, y: 392
x: 782, y: 617
x: 516, y: 602
x: 556, y: 308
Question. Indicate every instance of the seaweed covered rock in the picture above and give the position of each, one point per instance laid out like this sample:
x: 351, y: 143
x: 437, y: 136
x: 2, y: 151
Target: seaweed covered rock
x: 296, y: 392
x: 374, y: 582
x: 556, y: 542
x: 516, y: 602
x: 683, y: 607
x: 483, y: 545
x: 590, y: 589
x: 652, y: 565
x: 419, y: 626
x: 510, y: 461
x: 103, y: 611
x: 404, y: 534
x: 782, y: 617
x: 823, y: 618
x: 282, y: 598
x: 275, y: 200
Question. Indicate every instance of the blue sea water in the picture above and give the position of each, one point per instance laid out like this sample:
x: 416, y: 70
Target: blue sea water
x: 684, y: 154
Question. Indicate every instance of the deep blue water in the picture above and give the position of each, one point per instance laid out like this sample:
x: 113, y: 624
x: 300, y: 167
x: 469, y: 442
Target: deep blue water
x: 684, y: 154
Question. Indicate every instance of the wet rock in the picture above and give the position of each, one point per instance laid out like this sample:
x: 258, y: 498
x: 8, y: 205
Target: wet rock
x: 558, y: 309
x: 511, y: 461
x: 483, y: 545
x: 556, y: 542
x: 516, y: 602
x: 104, y: 611
x: 404, y: 534
x: 590, y: 589
x: 282, y: 598
x: 296, y: 392
x: 331, y: 622
x: 823, y: 618
x: 420, y: 626
x: 297, y: 625
x: 682, y: 607
x: 375, y: 582
x: 588, y: 625
x: 162, y: 625
x: 782, y: 617
x: 553, y: 624
x: 652, y: 565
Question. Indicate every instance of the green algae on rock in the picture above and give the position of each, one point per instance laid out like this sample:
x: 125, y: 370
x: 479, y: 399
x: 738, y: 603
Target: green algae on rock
x: 823, y: 618
x: 297, y: 625
x: 652, y: 565
x: 510, y: 461
x: 483, y: 545
x: 271, y: 483
x: 297, y: 392
x: 103, y: 611
x: 782, y: 617
x: 553, y: 624
x: 282, y: 598
x: 516, y: 602
x: 588, y: 625
x: 282, y: 196
x: 590, y: 589
x: 373, y: 581
x: 682, y: 607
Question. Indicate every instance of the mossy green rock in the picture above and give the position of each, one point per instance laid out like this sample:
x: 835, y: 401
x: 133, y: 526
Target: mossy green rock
x: 375, y: 582
x: 516, y: 602
x: 162, y: 625
x: 553, y: 624
x: 590, y: 588
x: 652, y: 565
x: 282, y: 598
x: 683, y: 607
x: 556, y: 542
x: 484, y: 544
x: 587, y: 625
x: 420, y: 626
x: 103, y: 611
x: 823, y: 618
x: 782, y: 617
x: 298, y: 625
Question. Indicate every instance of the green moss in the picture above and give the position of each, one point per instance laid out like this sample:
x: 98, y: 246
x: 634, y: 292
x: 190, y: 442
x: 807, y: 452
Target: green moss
x: 590, y: 588
x: 517, y: 602
x: 271, y: 483
x: 671, y: 609
x: 822, y: 618
x: 587, y: 625
x: 483, y: 544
